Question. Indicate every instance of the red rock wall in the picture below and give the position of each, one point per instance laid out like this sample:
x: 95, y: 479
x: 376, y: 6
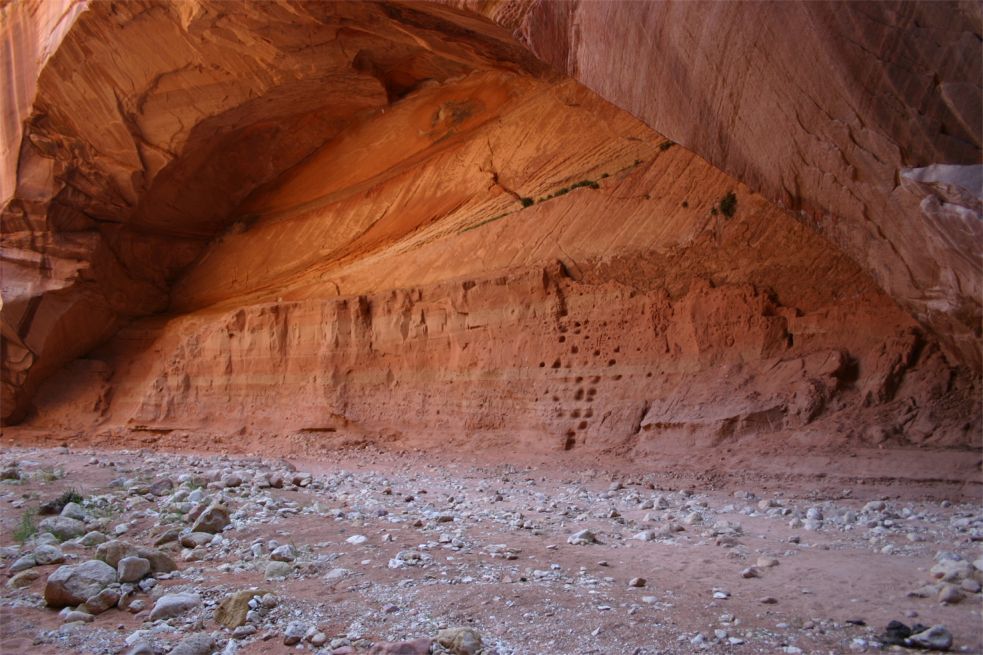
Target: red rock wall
x: 330, y: 228
x: 828, y: 108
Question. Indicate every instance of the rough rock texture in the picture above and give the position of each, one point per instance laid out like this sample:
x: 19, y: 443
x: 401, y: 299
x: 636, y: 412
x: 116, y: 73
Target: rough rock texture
x: 72, y: 585
x: 127, y: 166
x: 404, y: 226
x: 827, y: 108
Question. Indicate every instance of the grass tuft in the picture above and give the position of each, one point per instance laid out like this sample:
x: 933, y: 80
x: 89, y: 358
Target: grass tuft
x: 27, y: 526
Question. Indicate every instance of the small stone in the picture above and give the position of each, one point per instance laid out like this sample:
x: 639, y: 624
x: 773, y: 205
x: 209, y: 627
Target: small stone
x: 24, y: 579
x: 950, y: 595
x: 768, y: 600
x: 936, y: 637
x: 244, y: 631
x: 582, y: 538
x: 214, y: 519
x: 23, y: 563
x: 196, y: 539
x: 231, y: 612
x: 970, y: 585
x: 232, y: 480
x: 113, y: 551
x: 169, y: 606
x: 76, y: 615
x: 73, y: 511
x: 460, y: 641
x: 284, y: 553
x: 104, y: 600
x: 949, y: 570
x: 637, y: 582
x: 411, y: 647
x: 750, y: 572
x: 336, y: 574
x: 766, y: 562
x: 93, y: 538
x: 357, y: 539
x: 199, y: 644
x: 294, y: 633
x: 278, y: 570
x: 168, y: 536
x: 62, y: 527
x: 161, y: 487
x: 132, y: 569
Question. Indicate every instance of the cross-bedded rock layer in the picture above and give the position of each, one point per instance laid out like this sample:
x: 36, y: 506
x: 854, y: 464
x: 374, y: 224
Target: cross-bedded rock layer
x: 393, y: 221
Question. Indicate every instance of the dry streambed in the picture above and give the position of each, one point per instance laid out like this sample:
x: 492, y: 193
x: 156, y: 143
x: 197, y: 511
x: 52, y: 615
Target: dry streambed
x: 144, y: 552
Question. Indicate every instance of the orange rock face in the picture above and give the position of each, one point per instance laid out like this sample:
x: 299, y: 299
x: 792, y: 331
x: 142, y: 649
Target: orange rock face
x: 826, y: 108
x: 394, y: 222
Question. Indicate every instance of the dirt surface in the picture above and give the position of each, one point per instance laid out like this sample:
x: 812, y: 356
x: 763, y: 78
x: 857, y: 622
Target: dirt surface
x: 494, y: 554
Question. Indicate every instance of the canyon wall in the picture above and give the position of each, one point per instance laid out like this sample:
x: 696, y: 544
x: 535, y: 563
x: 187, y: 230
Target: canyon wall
x: 329, y: 221
x: 862, y: 116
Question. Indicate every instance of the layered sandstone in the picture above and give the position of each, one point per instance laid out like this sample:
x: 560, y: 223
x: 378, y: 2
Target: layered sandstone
x: 391, y: 221
x: 863, y: 116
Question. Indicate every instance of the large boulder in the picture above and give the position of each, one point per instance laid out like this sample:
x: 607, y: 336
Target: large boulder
x: 73, y: 585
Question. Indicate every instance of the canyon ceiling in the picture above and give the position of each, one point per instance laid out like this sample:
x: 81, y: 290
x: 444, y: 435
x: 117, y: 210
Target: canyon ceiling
x: 628, y: 226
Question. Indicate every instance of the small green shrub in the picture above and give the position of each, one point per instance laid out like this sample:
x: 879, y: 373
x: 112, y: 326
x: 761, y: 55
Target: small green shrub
x: 526, y: 202
x: 70, y: 496
x: 728, y: 204
x: 713, y: 211
x: 665, y: 145
x: 55, y: 505
x: 27, y: 527
x: 562, y: 192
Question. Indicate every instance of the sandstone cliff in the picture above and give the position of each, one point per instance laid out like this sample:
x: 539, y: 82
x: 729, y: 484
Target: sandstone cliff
x: 392, y: 221
x: 863, y: 117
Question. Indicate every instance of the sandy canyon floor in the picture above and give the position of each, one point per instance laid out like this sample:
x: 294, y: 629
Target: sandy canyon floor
x: 378, y: 551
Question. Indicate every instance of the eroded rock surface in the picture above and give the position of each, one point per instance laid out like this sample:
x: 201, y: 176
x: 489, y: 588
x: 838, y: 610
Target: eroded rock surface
x: 824, y: 108
x: 394, y: 222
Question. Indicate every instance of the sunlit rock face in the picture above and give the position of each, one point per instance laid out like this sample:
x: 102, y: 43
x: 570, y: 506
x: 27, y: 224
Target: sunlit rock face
x: 133, y: 130
x: 395, y: 221
x: 820, y: 106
